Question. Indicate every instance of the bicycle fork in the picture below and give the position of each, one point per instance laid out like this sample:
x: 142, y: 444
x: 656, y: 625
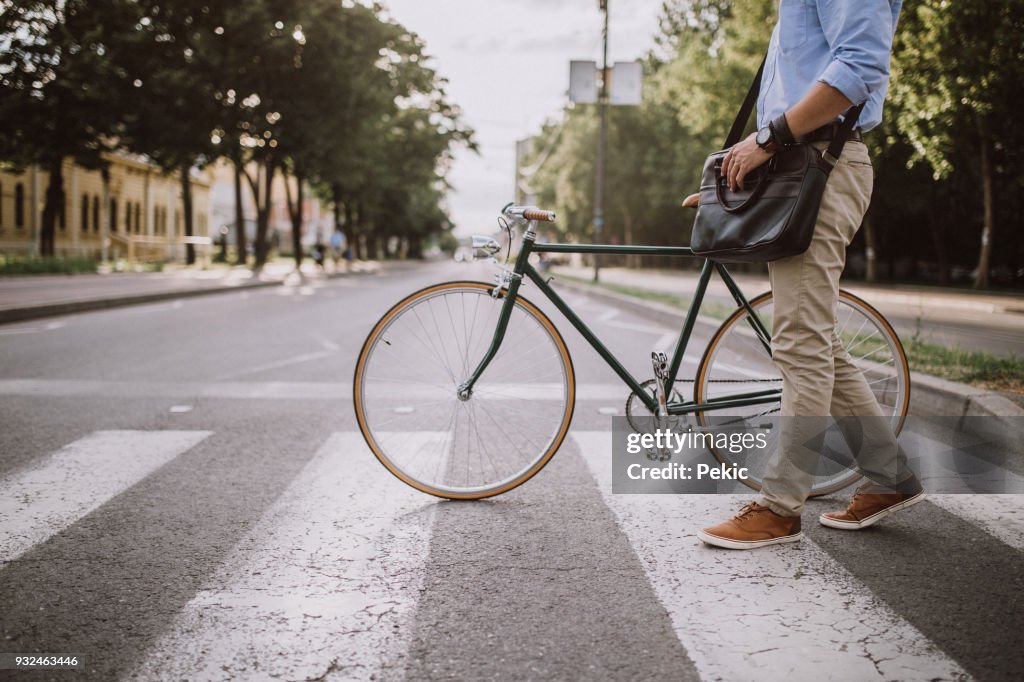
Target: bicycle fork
x: 514, y: 278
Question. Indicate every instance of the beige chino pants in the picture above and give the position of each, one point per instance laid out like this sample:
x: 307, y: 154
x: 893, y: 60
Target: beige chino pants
x: 818, y: 376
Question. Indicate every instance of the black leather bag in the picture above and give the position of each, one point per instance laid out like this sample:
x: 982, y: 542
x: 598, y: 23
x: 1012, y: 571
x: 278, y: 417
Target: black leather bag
x: 774, y: 215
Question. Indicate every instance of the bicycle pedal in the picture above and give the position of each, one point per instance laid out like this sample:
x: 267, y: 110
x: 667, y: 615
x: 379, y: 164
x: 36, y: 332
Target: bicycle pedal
x: 659, y: 361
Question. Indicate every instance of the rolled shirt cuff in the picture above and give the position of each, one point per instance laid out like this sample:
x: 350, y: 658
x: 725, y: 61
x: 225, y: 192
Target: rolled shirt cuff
x: 844, y: 79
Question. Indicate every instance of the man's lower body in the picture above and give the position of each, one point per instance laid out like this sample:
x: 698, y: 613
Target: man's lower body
x: 820, y: 379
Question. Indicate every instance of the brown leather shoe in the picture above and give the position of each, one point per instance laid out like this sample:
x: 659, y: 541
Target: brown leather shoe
x: 755, y: 526
x: 871, y: 503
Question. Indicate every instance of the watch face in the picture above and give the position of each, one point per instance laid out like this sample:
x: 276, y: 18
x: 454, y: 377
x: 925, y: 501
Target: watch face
x: 764, y: 136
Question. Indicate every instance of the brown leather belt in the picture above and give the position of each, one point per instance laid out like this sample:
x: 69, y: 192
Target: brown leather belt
x: 827, y: 133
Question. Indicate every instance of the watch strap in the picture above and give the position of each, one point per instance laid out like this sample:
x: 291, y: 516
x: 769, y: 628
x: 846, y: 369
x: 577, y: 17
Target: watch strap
x: 783, y: 135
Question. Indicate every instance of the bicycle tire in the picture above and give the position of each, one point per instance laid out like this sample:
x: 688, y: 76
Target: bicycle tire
x: 896, y: 409
x: 395, y: 462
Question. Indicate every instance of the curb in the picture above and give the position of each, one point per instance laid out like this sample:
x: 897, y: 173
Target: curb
x: 930, y: 396
x: 34, y: 312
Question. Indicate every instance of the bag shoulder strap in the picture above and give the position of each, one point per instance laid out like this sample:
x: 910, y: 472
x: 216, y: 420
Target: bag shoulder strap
x: 835, y: 148
x: 740, y: 124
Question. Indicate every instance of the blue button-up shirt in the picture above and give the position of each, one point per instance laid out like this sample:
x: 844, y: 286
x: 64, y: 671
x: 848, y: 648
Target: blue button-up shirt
x: 844, y: 43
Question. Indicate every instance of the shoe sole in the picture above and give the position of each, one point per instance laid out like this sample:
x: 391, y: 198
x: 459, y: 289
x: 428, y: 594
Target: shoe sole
x: 725, y: 543
x: 871, y: 520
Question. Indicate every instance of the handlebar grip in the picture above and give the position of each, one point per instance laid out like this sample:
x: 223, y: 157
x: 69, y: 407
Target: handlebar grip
x: 539, y: 215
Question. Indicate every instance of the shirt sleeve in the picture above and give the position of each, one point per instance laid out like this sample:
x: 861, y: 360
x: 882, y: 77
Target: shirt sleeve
x: 859, y: 35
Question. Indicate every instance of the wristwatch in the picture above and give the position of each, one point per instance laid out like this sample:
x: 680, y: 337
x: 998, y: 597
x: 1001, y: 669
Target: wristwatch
x: 774, y: 135
x: 767, y: 140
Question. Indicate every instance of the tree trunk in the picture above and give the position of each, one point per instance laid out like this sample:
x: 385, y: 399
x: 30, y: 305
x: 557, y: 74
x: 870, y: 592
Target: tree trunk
x: 262, y: 198
x: 632, y: 260
x: 937, y: 218
x: 354, y: 242
x: 336, y: 208
x: 51, y: 208
x: 186, y: 205
x: 241, y: 242
x: 870, y: 250
x: 295, y: 213
x: 985, y: 256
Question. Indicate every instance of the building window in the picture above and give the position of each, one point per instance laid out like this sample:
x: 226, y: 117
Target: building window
x: 95, y: 213
x: 113, y: 214
x: 1, y: 206
x: 127, y: 217
x: 138, y: 220
x: 19, y: 206
x: 85, y: 213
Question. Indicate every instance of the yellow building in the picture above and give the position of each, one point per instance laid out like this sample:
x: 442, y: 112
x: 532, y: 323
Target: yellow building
x: 137, y: 215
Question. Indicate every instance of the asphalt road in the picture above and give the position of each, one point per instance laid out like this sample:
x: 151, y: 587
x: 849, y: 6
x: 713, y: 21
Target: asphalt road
x: 184, y: 494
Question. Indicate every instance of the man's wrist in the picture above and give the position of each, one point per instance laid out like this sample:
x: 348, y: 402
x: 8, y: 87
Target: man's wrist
x: 783, y: 135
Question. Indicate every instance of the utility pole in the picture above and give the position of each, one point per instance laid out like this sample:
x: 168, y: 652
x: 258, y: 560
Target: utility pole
x: 602, y: 143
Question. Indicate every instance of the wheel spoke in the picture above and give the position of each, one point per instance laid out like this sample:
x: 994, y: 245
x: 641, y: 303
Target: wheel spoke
x: 441, y: 444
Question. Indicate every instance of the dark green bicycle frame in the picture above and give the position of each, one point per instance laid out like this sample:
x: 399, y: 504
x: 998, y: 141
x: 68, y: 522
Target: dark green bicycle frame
x: 523, y: 268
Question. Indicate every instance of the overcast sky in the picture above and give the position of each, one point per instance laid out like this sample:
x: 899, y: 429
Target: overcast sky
x: 507, y: 62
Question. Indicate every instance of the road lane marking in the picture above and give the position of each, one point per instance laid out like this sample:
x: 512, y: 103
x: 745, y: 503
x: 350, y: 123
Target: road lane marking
x: 269, y: 390
x: 40, y: 502
x: 788, y: 612
x: 323, y: 585
x: 277, y: 364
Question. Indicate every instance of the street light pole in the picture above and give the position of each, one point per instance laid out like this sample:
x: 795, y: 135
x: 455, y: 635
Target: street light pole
x: 602, y: 144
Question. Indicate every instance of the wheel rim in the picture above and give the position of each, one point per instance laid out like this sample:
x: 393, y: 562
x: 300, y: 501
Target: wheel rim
x: 407, y: 400
x: 737, y: 361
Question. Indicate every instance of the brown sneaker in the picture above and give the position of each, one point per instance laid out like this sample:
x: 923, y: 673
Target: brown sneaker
x: 871, y: 503
x: 755, y: 526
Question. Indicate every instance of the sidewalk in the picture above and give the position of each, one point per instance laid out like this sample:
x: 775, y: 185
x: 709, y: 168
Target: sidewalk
x: 33, y: 296
x: 991, y: 323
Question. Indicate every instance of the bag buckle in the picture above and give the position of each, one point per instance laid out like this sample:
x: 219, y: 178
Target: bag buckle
x: 829, y: 159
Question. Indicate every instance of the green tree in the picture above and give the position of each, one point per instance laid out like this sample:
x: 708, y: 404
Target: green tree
x: 172, y: 59
x: 957, y: 77
x: 62, y: 97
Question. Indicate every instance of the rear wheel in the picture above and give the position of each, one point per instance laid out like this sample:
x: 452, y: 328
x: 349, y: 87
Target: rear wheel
x: 738, y: 360
x: 406, y: 392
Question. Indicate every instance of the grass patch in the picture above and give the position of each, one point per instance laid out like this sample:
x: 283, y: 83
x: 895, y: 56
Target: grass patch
x: 983, y: 370
x: 21, y: 265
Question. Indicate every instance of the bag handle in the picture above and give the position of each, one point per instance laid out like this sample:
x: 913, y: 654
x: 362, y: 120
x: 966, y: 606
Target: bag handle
x: 835, y: 148
x: 754, y: 196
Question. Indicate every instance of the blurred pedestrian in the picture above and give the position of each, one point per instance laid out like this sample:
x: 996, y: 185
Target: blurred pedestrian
x: 319, y: 253
x: 337, y: 247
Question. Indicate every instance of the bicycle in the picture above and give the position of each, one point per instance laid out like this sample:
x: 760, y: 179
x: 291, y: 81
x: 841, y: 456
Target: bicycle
x: 466, y: 389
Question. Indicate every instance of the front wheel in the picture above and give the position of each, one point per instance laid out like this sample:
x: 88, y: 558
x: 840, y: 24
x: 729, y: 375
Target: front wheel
x: 738, y: 361
x: 407, y: 400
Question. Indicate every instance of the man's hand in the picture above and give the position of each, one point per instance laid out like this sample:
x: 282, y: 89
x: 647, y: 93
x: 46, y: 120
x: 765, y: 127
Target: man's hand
x: 744, y: 157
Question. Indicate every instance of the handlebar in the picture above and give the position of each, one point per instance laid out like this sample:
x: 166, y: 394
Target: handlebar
x: 529, y: 213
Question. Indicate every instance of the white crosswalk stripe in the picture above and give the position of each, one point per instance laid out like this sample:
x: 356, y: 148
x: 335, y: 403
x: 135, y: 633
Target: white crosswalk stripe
x: 325, y: 583
x: 789, y: 612
x: 38, y: 503
x: 1001, y: 516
